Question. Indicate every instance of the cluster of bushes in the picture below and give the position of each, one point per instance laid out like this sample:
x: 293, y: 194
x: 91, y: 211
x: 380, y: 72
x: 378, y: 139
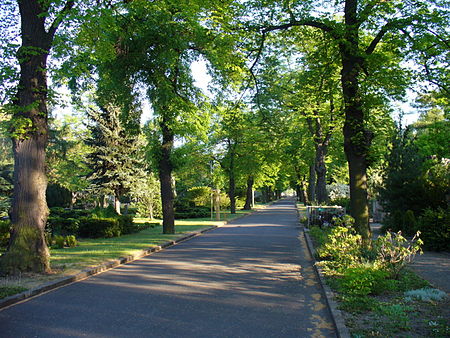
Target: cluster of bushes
x: 415, y: 193
x: 360, y: 269
x: 5, y: 227
x: 94, y: 223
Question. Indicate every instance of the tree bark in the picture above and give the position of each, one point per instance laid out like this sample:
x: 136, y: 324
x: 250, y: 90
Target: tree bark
x: 231, y: 179
x: 312, y: 184
x: 27, y: 249
x: 356, y: 138
x: 321, y: 173
x: 165, y: 177
x: 249, y: 194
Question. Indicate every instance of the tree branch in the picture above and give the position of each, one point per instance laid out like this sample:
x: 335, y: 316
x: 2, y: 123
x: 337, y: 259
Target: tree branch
x: 54, y: 26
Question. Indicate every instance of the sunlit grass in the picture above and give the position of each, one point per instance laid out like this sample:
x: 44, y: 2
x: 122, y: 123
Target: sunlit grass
x: 92, y: 252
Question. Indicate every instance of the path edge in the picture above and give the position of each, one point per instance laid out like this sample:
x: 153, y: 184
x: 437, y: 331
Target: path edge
x: 86, y: 273
x: 336, y: 314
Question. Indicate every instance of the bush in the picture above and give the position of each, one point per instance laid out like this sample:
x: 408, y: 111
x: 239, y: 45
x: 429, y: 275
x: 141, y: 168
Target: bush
x: 108, y: 212
x: 434, y: 226
x: 58, y: 196
x: 59, y: 242
x: 363, y: 281
x: 126, y: 224
x: 342, y: 249
x: 62, y: 226
x: 99, y: 227
x: 193, y: 212
x: 394, y: 252
x: 5, y: 228
x: 71, y: 241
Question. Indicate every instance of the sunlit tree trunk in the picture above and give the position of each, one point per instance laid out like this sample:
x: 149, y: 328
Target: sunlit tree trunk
x: 27, y: 249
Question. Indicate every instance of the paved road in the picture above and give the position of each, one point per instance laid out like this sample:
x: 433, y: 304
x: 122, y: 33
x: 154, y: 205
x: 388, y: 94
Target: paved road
x: 251, y: 278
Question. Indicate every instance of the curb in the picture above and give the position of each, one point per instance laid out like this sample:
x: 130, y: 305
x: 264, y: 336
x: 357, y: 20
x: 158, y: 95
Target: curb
x: 23, y: 296
x: 336, y: 314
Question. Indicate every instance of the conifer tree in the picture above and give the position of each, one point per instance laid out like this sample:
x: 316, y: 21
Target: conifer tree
x: 116, y: 160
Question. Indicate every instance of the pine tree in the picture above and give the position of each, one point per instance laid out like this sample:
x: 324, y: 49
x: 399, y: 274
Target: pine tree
x: 116, y: 160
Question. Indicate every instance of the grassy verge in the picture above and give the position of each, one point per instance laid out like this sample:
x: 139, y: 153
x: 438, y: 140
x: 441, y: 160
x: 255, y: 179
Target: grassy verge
x: 373, y: 302
x: 92, y: 252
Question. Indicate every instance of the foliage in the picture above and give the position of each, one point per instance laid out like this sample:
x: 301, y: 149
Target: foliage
x: 71, y: 241
x: 434, y: 226
x: 63, y: 226
x: 99, y: 227
x: 362, y: 281
x: 394, y: 252
x: 116, y: 159
x: 59, y: 241
x: 5, y: 229
x: 6, y: 291
x: 58, y: 196
x: 343, y: 249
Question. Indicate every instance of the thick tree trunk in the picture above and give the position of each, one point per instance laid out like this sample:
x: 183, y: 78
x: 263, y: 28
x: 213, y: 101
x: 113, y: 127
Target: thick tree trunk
x: 165, y: 177
x: 356, y: 138
x: 312, y: 184
x: 249, y: 194
x: 321, y: 174
x: 27, y: 249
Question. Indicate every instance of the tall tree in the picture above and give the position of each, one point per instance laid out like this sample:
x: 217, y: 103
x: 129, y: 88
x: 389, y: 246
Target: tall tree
x: 360, y: 29
x: 27, y: 249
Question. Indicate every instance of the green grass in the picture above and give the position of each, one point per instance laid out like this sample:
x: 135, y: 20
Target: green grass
x: 91, y: 252
x: 6, y: 291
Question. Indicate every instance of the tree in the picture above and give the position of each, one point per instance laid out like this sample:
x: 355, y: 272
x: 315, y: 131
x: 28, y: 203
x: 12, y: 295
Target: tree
x: 116, y: 159
x: 353, y: 25
x: 27, y: 249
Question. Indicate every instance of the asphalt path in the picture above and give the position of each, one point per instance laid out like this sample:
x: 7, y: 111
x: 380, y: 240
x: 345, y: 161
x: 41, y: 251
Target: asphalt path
x: 251, y: 278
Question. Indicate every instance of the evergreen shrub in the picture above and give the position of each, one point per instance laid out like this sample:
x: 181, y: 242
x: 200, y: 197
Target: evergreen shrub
x: 434, y: 226
x: 99, y: 227
x: 5, y: 228
x: 62, y: 226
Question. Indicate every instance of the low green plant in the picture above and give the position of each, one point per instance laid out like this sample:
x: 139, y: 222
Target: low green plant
x: 6, y: 291
x: 59, y: 241
x: 71, y: 241
x: 394, y: 251
x: 397, y: 314
x: 425, y: 295
x: 362, y: 281
x: 342, y: 248
x: 357, y: 304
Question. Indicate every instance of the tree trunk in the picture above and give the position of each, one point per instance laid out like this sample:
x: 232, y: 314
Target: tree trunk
x: 165, y: 177
x: 27, y: 249
x: 231, y: 180
x: 231, y: 193
x: 117, y: 204
x: 249, y: 195
x: 321, y: 174
x: 312, y: 184
x: 356, y: 138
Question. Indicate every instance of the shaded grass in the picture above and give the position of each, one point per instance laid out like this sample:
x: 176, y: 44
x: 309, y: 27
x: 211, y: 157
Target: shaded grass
x: 6, y: 291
